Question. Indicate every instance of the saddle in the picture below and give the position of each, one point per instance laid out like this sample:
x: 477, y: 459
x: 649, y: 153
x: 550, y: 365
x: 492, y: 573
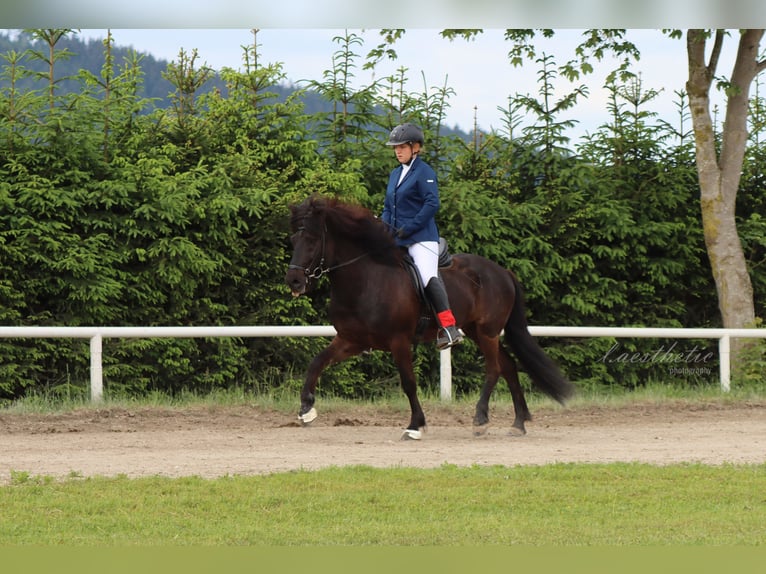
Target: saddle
x: 426, y: 313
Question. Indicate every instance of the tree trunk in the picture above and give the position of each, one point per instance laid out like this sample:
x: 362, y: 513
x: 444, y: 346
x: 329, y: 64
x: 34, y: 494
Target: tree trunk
x: 719, y: 175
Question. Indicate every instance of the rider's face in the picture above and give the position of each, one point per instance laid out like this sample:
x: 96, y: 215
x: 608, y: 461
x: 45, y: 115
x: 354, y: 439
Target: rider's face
x: 404, y: 152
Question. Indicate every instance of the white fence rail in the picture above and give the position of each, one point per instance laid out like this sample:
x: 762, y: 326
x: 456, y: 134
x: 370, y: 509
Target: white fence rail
x: 97, y: 334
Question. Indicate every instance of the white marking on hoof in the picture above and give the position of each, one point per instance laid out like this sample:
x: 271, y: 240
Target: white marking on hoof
x: 309, y: 417
x: 409, y: 434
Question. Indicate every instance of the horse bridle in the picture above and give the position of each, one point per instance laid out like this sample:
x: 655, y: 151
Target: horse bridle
x: 320, y: 269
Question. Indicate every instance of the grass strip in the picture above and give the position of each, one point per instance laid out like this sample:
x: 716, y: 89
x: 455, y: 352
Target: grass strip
x: 561, y: 504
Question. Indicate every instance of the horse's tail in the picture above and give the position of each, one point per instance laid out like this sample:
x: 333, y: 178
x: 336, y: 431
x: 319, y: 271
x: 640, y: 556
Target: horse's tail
x: 543, y: 371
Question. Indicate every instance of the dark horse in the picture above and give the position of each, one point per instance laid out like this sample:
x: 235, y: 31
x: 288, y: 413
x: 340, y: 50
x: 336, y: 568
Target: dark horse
x: 375, y: 305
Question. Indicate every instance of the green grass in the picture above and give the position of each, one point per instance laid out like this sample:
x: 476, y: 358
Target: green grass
x: 561, y: 504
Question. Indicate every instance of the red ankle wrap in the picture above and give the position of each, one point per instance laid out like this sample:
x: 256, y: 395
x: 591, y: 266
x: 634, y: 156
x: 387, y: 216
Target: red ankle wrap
x: 446, y: 318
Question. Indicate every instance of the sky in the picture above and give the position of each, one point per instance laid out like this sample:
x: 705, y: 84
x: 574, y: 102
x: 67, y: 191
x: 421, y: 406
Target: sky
x: 478, y: 70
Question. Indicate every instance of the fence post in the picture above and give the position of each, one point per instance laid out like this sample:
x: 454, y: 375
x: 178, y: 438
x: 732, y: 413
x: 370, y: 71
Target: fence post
x: 445, y: 374
x: 724, y: 351
x: 96, y: 370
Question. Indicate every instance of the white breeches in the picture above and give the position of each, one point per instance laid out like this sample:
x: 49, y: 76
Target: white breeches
x: 426, y: 257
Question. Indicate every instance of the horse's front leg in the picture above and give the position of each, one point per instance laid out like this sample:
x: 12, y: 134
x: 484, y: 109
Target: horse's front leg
x: 401, y: 350
x: 338, y: 350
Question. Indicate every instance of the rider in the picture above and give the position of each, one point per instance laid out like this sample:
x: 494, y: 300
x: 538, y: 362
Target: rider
x: 412, y: 200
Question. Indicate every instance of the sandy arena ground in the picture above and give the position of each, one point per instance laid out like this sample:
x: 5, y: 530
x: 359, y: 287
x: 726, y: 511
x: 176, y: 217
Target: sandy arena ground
x: 217, y: 441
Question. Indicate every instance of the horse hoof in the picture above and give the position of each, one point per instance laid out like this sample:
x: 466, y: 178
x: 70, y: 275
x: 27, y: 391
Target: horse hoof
x: 480, y: 430
x: 410, y: 434
x: 516, y: 431
x: 309, y: 417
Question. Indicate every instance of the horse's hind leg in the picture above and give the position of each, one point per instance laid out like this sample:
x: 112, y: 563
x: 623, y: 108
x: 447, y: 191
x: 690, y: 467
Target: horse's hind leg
x: 338, y: 350
x: 489, y: 348
x: 511, y: 375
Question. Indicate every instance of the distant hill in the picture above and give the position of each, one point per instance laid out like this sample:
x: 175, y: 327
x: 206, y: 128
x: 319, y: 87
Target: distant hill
x: 89, y: 55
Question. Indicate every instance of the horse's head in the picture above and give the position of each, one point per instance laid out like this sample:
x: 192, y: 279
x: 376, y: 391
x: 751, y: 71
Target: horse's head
x: 308, y: 237
x: 324, y: 229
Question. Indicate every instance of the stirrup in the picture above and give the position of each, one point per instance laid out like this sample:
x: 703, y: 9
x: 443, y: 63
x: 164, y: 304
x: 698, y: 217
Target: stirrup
x: 449, y: 336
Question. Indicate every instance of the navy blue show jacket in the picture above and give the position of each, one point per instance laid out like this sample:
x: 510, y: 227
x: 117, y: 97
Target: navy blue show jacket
x: 410, y: 207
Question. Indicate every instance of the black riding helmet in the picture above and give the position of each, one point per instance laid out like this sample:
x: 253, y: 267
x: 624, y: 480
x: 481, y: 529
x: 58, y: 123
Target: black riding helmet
x: 406, y: 133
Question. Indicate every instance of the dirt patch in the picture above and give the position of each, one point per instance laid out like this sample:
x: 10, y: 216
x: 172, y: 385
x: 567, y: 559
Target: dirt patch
x: 218, y: 441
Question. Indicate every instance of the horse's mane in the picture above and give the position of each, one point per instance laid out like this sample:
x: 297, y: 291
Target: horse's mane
x: 356, y: 223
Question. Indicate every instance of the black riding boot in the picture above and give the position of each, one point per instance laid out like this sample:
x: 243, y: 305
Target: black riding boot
x: 437, y: 295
